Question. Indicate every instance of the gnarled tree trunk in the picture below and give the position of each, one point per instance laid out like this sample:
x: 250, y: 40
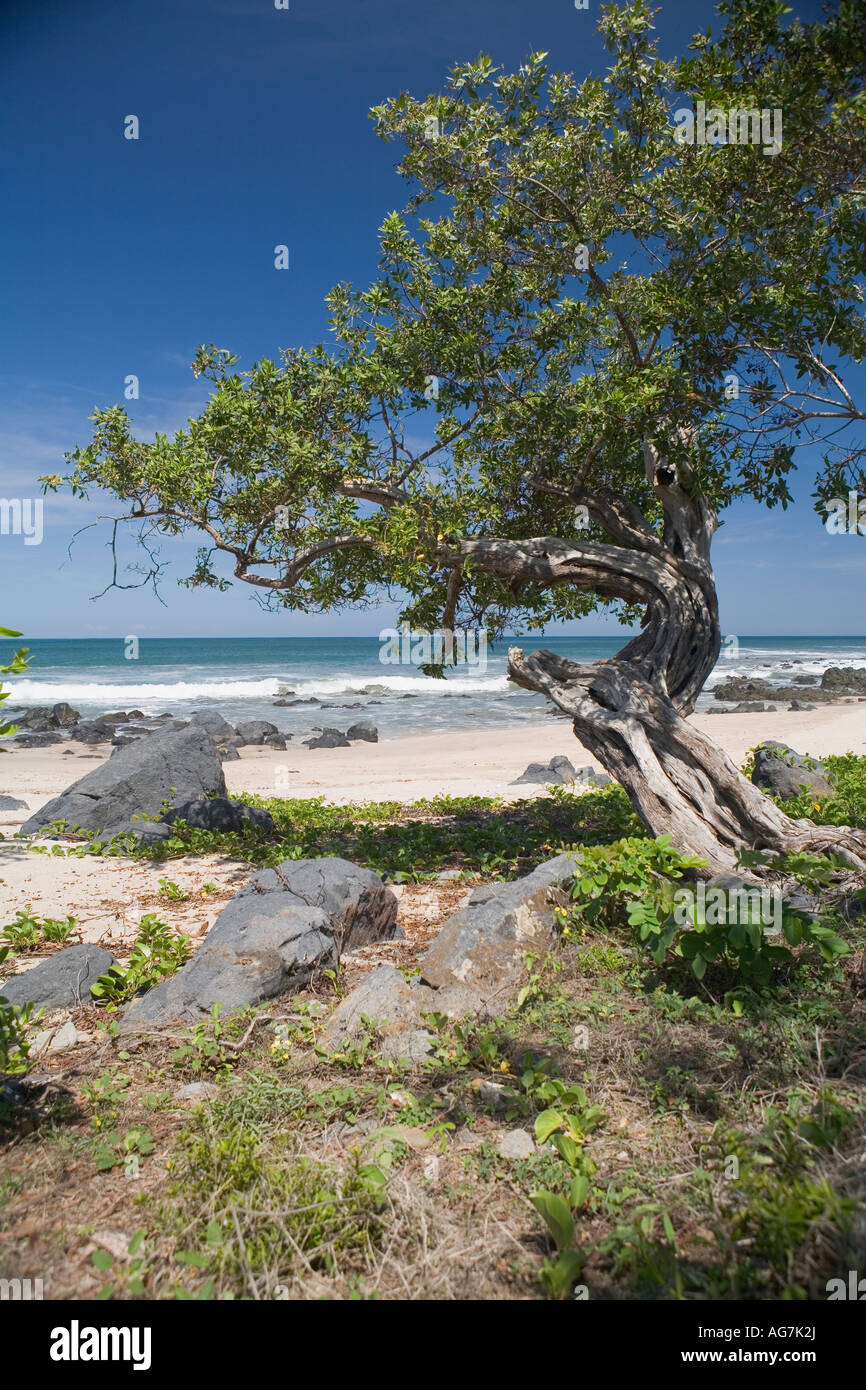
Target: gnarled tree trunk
x: 630, y: 712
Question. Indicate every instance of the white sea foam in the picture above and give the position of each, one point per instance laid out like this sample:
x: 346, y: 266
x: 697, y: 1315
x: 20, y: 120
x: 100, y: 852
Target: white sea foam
x: 141, y: 693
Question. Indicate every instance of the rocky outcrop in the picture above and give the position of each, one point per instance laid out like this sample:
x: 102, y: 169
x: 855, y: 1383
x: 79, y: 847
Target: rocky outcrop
x: 174, y: 766
x: 287, y: 924
x: 472, y: 967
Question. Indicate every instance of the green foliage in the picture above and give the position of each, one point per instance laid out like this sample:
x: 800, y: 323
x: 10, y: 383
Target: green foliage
x: 158, y: 952
x: 28, y: 932
x: 847, y: 805
x: 172, y: 891
x: 14, y: 1021
x: 636, y: 881
x: 205, y: 1051
x: 477, y: 834
x: 114, y: 1150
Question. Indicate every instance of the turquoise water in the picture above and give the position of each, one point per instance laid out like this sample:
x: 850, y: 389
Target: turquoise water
x: 241, y: 677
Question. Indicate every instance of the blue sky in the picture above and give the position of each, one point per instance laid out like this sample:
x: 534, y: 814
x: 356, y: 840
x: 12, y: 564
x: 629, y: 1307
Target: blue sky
x: 121, y: 256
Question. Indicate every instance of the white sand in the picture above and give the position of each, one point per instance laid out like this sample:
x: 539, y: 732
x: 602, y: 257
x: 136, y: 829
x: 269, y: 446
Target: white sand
x: 109, y: 895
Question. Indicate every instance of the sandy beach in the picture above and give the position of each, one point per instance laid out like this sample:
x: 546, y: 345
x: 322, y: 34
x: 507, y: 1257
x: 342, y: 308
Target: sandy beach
x: 460, y: 763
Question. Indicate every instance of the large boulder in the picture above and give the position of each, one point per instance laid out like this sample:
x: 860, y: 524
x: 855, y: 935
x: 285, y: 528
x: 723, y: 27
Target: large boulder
x: 177, y: 766
x: 220, y: 729
x: 221, y: 814
x: 287, y: 924
x: 62, y: 981
x: 484, y: 943
x: 782, y: 772
x: 472, y: 967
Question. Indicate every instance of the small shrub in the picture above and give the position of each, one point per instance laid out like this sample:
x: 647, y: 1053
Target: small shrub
x: 158, y: 952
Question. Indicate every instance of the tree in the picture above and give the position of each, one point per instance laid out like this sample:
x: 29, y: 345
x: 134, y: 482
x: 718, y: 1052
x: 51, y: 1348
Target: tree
x: 608, y: 334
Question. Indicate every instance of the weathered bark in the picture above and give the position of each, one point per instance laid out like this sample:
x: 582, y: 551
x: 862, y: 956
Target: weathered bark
x: 630, y: 712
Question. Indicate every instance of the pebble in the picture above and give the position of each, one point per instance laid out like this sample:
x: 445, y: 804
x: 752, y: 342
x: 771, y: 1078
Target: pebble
x: 517, y: 1143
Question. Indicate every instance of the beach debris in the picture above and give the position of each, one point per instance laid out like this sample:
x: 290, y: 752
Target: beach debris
x: 782, y: 772
x: 175, y: 766
x: 62, y: 981
x: 282, y: 928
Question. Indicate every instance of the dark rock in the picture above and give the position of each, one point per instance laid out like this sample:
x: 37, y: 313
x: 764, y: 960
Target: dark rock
x: 256, y: 730
x: 38, y: 740
x: 484, y: 943
x: 38, y: 720
x: 283, y: 927
x: 62, y: 981
x: 798, y: 704
x: 363, y: 730
x: 558, y: 770
x: 472, y: 965
x: 329, y: 738
x: 219, y: 728
x: 90, y: 731
x: 64, y: 715
x: 175, y: 765
x: 122, y: 740
x: 221, y: 814
x: 782, y: 772
x: 119, y: 717
x: 11, y: 803
x: 147, y: 832
x: 848, y: 680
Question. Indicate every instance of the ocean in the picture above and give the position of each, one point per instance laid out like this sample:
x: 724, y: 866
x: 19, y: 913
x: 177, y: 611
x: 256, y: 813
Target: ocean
x: 242, y: 677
